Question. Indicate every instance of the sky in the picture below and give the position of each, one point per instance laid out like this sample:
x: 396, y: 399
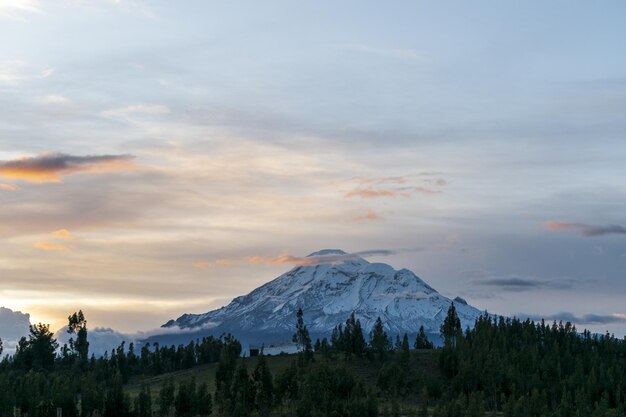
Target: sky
x: 160, y: 158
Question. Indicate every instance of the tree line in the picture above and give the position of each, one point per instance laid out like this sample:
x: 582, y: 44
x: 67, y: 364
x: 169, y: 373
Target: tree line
x: 500, y: 366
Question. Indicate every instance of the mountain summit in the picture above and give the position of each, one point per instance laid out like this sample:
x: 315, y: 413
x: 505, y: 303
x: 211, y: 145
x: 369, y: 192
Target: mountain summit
x: 329, y: 285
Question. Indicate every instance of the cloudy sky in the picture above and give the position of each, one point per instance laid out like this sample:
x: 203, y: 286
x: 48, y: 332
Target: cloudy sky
x: 161, y: 157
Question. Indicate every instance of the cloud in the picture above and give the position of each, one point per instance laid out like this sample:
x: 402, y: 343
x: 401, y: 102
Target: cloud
x: 584, y: 319
x: 208, y: 265
x: 369, y: 215
x: 371, y: 193
x: 62, y: 234
x: 52, y: 167
x: 15, y: 8
x: 516, y: 283
x: 8, y: 187
x: 392, y: 187
x: 586, y: 229
x: 52, y: 99
x: 317, y: 259
x: 14, y: 72
x: 47, y: 246
x: 136, y: 109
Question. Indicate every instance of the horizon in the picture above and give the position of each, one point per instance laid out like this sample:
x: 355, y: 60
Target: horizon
x: 159, y: 159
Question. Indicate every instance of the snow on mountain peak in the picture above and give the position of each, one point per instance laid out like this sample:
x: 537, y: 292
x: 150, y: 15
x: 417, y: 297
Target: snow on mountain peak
x: 328, y: 289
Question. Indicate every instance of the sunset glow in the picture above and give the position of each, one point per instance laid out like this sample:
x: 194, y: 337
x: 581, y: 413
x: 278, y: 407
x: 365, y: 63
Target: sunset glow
x: 160, y: 158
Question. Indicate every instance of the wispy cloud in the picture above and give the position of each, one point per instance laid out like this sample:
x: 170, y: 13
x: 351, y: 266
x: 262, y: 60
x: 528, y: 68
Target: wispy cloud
x: 368, y: 215
x: 587, y: 230
x: 14, y: 72
x: 584, y: 319
x: 288, y: 259
x: 209, y: 265
x: 52, y: 99
x: 136, y: 109
x: 317, y: 259
x: 47, y: 246
x: 393, y: 187
x: 8, y: 187
x: 517, y: 283
x: 14, y: 9
x: 63, y: 234
x: 52, y: 167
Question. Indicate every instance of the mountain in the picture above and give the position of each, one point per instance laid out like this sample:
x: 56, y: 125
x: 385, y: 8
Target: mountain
x: 329, y: 286
x: 13, y: 326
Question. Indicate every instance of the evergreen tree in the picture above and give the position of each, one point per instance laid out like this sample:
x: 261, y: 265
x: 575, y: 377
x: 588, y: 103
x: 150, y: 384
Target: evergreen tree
x: 184, y: 401
x: 421, y: 340
x: 166, y: 397
x: 405, y: 353
x: 42, y: 346
x: 263, y: 387
x: 301, y: 338
x: 241, y: 392
x: 204, y: 402
x: 116, y: 403
x: 379, y: 340
x: 77, y: 324
x: 451, y: 327
x: 143, y: 402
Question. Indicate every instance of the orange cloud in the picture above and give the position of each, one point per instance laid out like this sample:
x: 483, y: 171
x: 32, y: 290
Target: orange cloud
x: 619, y: 315
x: 393, y: 180
x: 52, y: 167
x: 50, y: 246
x: 208, y: 265
x: 392, y: 187
x: 587, y: 230
x: 8, y: 187
x: 62, y: 234
x: 368, y: 215
x: 281, y: 260
x: 371, y: 193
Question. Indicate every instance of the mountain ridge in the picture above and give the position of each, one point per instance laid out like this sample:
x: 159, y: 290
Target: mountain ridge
x: 329, y: 285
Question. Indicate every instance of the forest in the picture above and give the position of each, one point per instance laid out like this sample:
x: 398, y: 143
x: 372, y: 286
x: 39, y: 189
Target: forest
x: 501, y: 366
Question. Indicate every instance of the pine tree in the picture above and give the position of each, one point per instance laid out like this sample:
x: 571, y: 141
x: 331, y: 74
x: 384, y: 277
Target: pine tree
x: 77, y: 324
x: 241, y: 392
x: 301, y: 338
x: 42, y: 346
x: 405, y: 353
x: 451, y: 327
x: 185, y: 398
x: 204, y: 402
x: 263, y: 387
x: 421, y: 340
x: 379, y: 340
x: 143, y: 402
x: 166, y: 397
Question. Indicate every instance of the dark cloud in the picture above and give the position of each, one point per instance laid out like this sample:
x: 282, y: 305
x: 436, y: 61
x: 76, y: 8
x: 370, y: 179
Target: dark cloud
x: 516, y: 283
x: 52, y: 167
x: 586, y: 229
x: 584, y: 319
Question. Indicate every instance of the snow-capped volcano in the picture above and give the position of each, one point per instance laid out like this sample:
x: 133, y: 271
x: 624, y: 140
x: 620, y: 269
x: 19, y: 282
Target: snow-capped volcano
x: 329, y: 285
